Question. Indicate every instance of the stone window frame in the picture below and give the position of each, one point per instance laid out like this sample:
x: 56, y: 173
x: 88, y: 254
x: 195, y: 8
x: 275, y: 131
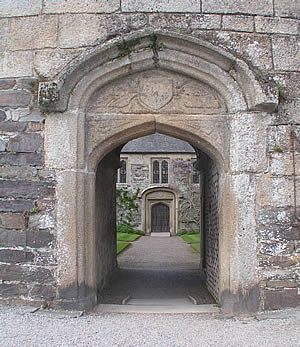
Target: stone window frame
x: 160, y: 160
x: 127, y: 178
x: 193, y: 173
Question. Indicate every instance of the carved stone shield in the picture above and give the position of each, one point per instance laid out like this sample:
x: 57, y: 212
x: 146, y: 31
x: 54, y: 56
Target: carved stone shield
x: 155, y: 92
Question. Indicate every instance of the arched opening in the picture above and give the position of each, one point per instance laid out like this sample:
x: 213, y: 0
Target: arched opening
x: 165, y: 210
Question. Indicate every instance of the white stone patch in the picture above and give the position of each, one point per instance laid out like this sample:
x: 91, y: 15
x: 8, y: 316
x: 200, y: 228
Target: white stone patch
x: 47, y: 221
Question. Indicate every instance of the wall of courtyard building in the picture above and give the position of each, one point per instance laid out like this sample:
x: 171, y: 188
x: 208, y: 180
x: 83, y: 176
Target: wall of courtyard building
x: 139, y: 177
x: 40, y: 41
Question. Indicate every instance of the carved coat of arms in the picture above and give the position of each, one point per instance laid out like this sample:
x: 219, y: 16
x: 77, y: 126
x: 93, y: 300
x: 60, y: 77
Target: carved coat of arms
x: 155, y: 92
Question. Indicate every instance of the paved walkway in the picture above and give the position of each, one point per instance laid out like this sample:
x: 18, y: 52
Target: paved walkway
x: 156, y: 268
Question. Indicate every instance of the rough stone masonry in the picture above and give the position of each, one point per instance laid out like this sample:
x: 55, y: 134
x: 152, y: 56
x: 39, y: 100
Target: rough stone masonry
x: 59, y: 150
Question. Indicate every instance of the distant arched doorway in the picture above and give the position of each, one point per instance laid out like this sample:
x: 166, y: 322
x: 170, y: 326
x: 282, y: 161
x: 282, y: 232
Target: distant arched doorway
x: 160, y: 218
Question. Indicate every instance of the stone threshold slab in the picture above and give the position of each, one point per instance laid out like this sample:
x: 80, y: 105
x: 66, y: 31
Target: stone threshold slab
x: 189, y: 308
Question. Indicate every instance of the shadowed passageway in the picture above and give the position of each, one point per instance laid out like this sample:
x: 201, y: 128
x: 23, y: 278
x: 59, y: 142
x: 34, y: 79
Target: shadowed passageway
x: 157, y: 268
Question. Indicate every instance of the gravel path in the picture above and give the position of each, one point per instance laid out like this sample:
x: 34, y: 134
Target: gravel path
x: 19, y: 327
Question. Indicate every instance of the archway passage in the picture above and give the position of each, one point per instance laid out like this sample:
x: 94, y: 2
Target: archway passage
x: 160, y: 218
x: 159, y: 268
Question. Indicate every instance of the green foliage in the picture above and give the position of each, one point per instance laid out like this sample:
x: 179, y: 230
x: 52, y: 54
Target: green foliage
x: 188, y: 232
x: 34, y: 210
x: 126, y: 229
x: 128, y: 208
x: 121, y: 246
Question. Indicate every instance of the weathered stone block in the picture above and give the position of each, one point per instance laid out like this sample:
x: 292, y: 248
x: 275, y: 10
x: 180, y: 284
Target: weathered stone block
x: 25, y: 189
x: 121, y: 23
x: 4, y: 31
x: 12, y: 289
x: 160, y: 6
x: 280, y: 164
x: 15, y: 98
x: 2, y: 146
x: 238, y: 23
x: 8, y: 127
x: 50, y: 62
x: 20, y: 173
x: 275, y: 191
x: 248, y: 143
x: 46, y: 205
x: 173, y: 21
x: 41, y: 221
x: 282, y: 261
x: 286, y: 53
x: 279, y: 138
x: 241, y: 6
x: 20, y: 8
x: 15, y: 256
x: 276, y: 247
x: 276, y: 25
x: 16, y: 64
x: 28, y: 142
x: 7, y: 84
x: 282, y: 284
x: 33, y: 32
x: 12, y: 272
x: 27, y: 83
x: 81, y: 6
x: 80, y: 30
x: 45, y: 258
x: 12, y: 220
x: 254, y: 48
x: 287, y: 8
x: 39, y: 239
x: 12, y: 238
x: 34, y: 159
x: 206, y: 21
x: 276, y: 216
x: 275, y: 300
x: 43, y: 292
x: 16, y: 205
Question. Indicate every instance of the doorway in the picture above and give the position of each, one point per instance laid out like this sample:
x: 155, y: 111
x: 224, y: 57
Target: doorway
x: 160, y: 218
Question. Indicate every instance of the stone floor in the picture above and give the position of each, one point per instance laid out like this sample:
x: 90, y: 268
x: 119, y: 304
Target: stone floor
x: 157, y: 268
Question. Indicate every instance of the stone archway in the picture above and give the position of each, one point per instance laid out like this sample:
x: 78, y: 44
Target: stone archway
x: 107, y: 100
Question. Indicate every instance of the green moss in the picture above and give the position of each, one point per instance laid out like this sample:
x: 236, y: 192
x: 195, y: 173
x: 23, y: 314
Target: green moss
x: 277, y: 149
x: 34, y: 210
x: 281, y: 92
x: 127, y: 47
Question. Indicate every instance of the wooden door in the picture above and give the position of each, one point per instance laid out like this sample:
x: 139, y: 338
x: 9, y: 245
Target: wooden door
x: 160, y: 218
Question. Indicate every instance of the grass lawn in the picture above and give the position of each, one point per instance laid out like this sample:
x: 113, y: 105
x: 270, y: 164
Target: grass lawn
x: 191, y: 238
x: 196, y: 246
x: 127, y: 237
x: 121, y: 246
